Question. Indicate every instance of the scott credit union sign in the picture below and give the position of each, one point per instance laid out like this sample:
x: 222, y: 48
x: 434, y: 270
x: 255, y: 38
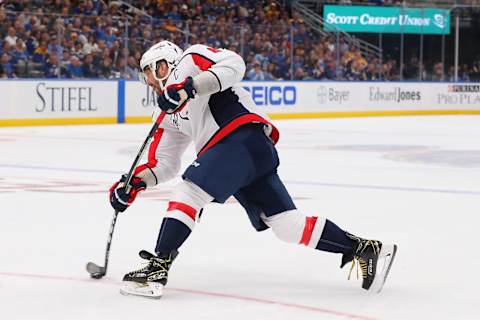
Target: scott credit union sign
x: 386, y: 19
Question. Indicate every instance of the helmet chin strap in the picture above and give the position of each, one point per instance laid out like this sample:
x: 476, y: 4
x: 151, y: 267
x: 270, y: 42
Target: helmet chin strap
x: 161, y: 80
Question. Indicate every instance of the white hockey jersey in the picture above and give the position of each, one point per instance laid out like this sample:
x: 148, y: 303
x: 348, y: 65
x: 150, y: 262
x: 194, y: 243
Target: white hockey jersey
x: 207, y: 119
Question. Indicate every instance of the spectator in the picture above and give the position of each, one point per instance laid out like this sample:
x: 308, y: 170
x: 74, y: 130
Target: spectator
x: 319, y: 71
x: 65, y: 59
x: 89, y: 45
x: 349, y: 55
x: 7, y: 66
x: 272, y: 71
x: 371, y: 72
x: 131, y: 71
x: 300, y: 74
x: 475, y: 73
x: 19, y: 56
x: 463, y: 74
x: 256, y: 73
x: 52, y: 68
x: 54, y: 45
x: 6, y: 48
x: 3, y: 21
x: 451, y: 74
x: 437, y: 74
x: 74, y: 68
x: 118, y: 69
x: 411, y: 71
x: 11, y: 37
x: 105, y: 69
x: 90, y: 8
x: 168, y: 26
x: 276, y: 57
x: 78, y: 50
x: 30, y: 23
x: 115, y: 51
x: 88, y: 69
x: 31, y: 42
x: 110, y: 36
x: 342, y: 46
x: 40, y: 53
x: 173, y: 13
x: 262, y: 57
x: 99, y: 46
x: 298, y: 60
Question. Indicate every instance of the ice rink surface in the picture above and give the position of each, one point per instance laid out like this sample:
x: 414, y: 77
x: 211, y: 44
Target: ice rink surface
x: 414, y: 181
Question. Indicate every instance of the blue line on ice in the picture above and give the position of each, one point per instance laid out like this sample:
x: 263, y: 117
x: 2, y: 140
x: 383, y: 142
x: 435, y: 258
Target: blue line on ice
x: 378, y: 187
x: 14, y: 166
x: 291, y: 182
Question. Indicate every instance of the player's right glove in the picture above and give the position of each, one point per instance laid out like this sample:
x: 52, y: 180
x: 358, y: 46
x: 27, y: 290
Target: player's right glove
x: 119, y: 198
x: 174, y: 97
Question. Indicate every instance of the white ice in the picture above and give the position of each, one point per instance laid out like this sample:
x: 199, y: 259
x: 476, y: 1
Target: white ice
x: 414, y: 181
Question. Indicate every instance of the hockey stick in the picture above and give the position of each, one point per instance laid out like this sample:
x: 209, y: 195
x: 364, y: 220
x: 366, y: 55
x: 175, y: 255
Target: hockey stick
x: 96, y: 271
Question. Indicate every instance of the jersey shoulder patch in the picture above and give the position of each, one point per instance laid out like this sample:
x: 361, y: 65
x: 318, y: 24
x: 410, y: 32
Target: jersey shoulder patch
x: 201, y: 56
x: 196, y: 48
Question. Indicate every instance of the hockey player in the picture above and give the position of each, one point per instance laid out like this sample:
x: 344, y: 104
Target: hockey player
x: 200, y: 91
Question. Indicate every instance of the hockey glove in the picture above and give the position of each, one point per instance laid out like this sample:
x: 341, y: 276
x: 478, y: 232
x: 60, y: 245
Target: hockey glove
x: 119, y: 198
x: 175, y: 96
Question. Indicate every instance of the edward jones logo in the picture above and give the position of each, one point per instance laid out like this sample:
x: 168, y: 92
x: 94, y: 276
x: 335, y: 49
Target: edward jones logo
x: 330, y: 95
x: 393, y: 94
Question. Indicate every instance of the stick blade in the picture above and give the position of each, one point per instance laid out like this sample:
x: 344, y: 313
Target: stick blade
x: 96, y: 271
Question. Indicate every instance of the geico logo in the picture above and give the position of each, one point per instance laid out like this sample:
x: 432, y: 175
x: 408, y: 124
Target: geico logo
x: 62, y: 99
x: 273, y: 95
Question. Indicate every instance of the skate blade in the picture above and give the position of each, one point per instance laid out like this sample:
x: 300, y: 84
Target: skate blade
x: 151, y: 290
x: 385, y: 261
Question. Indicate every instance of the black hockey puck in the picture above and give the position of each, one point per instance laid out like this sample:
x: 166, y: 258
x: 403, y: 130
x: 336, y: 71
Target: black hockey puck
x: 96, y: 275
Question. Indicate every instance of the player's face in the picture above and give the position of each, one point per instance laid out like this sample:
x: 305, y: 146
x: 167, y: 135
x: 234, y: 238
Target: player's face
x: 162, y: 71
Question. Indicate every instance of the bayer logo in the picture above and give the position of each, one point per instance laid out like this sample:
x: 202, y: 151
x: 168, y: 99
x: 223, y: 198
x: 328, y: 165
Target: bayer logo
x: 322, y: 94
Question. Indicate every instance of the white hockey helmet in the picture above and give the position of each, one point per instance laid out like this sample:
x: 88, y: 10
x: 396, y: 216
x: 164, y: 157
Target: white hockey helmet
x: 163, y: 50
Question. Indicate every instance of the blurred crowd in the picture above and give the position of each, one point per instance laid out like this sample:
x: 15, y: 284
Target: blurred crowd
x: 424, y: 3
x: 90, y: 39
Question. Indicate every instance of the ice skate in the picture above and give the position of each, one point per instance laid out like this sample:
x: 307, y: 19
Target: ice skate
x: 375, y: 260
x: 149, y: 280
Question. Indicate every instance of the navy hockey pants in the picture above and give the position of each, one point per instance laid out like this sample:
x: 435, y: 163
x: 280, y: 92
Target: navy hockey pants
x: 244, y: 164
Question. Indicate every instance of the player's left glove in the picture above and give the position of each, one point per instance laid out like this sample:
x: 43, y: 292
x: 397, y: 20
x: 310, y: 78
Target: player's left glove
x: 175, y: 96
x: 119, y: 198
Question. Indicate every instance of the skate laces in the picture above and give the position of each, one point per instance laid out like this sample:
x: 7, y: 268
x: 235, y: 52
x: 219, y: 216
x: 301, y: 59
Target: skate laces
x: 351, y: 268
x: 362, y: 246
x: 145, y: 268
x: 153, y: 262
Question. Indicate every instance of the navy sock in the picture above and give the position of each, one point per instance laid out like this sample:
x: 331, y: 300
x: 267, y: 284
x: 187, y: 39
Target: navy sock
x: 171, y: 236
x: 334, y: 239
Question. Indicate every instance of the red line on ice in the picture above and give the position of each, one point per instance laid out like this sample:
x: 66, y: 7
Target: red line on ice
x: 200, y: 292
